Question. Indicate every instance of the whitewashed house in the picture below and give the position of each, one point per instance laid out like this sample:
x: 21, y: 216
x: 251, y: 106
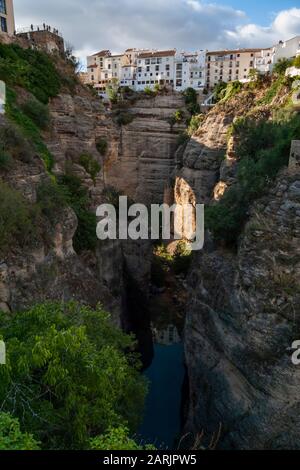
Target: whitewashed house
x: 155, y: 68
x: 287, y: 49
x: 190, y: 71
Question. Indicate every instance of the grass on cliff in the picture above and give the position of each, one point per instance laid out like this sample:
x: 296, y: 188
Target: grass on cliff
x: 17, y: 219
x: 29, y: 121
x: 263, y: 149
x: 29, y: 69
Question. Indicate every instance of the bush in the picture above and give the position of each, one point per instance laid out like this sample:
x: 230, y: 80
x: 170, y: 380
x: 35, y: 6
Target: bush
x: 76, y: 197
x: 91, y: 166
x: 51, y: 198
x: 219, y: 91
x: 11, y: 436
x: 281, y: 66
x: 67, y: 377
x: 16, y: 224
x: 123, y: 118
x: 195, y: 123
x: 296, y: 62
x: 226, y: 91
x: 102, y: 145
x: 5, y: 160
x: 191, y: 101
x: 112, y: 90
x: 182, y: 259
x: 116, y: 439
x: 148, y: 91
x: 182, y: 139
x: 13, y: 141
x: 37, y: 112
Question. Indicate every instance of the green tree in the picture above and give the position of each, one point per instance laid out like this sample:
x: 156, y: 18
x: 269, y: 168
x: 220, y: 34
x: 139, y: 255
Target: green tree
x: 12, y: 438
x: 112, y: 90
x: 281, y: 66
x: 67, y: 376
x: 117, y: 439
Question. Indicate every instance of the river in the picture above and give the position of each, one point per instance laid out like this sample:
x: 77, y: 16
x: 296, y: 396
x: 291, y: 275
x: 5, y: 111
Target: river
x: 162, y: 420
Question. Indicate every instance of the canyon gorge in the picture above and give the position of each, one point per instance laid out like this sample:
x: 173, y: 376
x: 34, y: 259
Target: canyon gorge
x: 240, y: 302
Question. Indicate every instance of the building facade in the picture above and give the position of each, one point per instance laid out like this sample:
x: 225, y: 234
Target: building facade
x: 287, y: 49
x: 141, y: 68
x: 7, y: 19
x: 230, y: 65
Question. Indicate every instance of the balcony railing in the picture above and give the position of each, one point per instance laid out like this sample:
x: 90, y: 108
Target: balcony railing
x: 39, y: 28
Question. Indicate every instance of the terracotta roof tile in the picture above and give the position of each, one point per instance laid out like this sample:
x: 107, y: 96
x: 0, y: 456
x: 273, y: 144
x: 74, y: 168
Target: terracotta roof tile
x: 148, y: 55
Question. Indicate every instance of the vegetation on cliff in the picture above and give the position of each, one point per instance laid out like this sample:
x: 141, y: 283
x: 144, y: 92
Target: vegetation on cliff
x: 262, y: 147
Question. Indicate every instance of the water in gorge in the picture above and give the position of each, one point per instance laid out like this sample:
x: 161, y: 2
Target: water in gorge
x: 162, y: 419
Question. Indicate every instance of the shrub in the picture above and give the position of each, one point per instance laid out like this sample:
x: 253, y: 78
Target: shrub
x: 229, y: 91
x: 91, y: 166
x: 37, y: 112
x: 77, y: 197
x: 182, y: 138
x: 296, y: 62
x: 219, y: 91
x: 148, y: 91
x: 116, y: 439
x: 67, y: 377
x: 13, y: 141
x: 281, y: 66
x: 195, y: 123
x: 5, y: 160
x: 16, y: 224
x: 11, y: 436
x: 112, y: 90
x: 102, y: 145
x: 182, y: 258
x: 123, y: 118
x: 51, y: 199
x: 191, y: 101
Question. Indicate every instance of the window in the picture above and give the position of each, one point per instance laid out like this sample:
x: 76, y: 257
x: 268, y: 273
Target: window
x: 3, y: 24
x: 157, y: 68
x: 3, y: 7
x: 148, y: 68
x: 147, y: 61
x: 167, y: 67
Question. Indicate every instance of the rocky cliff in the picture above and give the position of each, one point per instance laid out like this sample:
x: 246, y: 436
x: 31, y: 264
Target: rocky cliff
x: 244, y: 308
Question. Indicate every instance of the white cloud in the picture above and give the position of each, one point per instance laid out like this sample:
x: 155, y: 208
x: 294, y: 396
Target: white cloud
x: 284, y: 26
x: 184, y: 24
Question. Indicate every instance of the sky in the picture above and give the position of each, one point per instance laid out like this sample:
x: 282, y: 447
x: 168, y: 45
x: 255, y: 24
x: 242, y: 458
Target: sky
x: 92, y: 25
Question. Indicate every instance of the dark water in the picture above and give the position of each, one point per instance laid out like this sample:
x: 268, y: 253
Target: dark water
x: 162, y: 421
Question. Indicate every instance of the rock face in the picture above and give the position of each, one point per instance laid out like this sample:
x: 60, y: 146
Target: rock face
x: 139, y: 160
x: 142, y: 158
x: 242, y: 318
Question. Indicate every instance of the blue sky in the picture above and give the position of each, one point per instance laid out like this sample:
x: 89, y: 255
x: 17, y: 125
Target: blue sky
x: 190, y: 25
x: 260, y: 11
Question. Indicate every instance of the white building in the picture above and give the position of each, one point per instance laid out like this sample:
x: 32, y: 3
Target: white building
x: 264, y: 60
x: 287, y: 49
x: 155, y: 68
x: 190, y: 71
